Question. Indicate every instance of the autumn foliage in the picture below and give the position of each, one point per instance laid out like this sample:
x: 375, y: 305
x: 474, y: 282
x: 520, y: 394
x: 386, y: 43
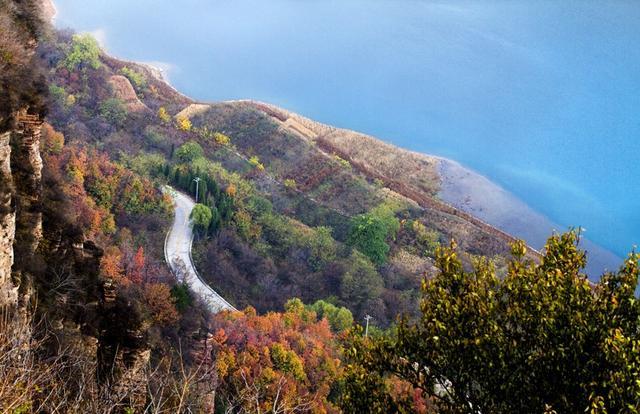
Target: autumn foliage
x: 136, y: 272
x: 97, y: 188
x: 100, y: 197
x: 278, y: 362
x: 160, y: 303
x: 111, y: 264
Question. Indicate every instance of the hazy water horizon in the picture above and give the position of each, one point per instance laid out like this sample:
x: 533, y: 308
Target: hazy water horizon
x: 542, y: 98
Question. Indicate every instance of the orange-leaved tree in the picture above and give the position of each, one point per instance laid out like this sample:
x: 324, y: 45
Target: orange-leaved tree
x: 278, y: 362
x: 160, y: 303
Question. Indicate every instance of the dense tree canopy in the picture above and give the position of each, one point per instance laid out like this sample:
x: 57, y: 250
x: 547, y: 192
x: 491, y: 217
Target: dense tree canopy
x: 278, y: 362
x: 368, y: 235
x: 360, y: 283
x: 84, y: 52
x: 340, y: 318
x: 542, y: 339
x: 189, y: 151
x: 369, y: 232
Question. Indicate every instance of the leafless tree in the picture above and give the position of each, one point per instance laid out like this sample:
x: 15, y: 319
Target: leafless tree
x: 66, y: 382
x: 251, y: 396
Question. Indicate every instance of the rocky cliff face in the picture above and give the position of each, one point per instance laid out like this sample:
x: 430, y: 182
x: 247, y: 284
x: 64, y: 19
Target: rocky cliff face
x: 26, y: 168
x: 20, y: 216
x: 122, y: 351
x: 22, y: 86
x: 90, y: 322
x: 8, y: 292
x: 47, y: 264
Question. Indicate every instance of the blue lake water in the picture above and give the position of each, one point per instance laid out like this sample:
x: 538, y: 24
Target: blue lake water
x: 541, y: 97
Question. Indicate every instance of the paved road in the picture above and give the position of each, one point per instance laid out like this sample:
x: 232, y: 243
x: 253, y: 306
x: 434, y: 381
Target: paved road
x: 177, y: 252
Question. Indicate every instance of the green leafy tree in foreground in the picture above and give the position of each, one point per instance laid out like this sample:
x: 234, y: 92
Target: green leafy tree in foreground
x: 542, y: 339
x: 201, y: 217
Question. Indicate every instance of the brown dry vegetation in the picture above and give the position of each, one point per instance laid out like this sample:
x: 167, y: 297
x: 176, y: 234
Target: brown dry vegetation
x: 46, y: 374
x: 415, y: 169
x: 21, y: 81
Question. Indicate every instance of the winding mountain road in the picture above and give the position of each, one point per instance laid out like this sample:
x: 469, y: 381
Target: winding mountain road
x: 177, y: 253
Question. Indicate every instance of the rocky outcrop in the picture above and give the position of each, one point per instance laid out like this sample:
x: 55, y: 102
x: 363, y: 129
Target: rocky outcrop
x: 26, y: 168
x: 108, y: 333
x: 20, y: 213
x: 89, y: 331
x: 123, y: 352
x: 8, y: 291
x: 201, y: 354
x: 131, y: 382
x: 123, y: 90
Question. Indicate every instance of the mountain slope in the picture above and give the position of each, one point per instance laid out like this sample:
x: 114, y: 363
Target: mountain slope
x: 287, y: 189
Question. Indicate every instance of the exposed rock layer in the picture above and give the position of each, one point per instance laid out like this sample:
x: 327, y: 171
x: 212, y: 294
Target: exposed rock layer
x: 123, y: 90
x: 8, y: 292
x: 26, y: 166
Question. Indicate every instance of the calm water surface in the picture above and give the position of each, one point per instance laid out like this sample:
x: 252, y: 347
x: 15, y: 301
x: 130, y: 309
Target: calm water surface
x: 541, y: 97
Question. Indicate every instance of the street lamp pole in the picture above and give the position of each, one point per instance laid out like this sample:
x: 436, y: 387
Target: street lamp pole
x: 197, y: 180
x: 366, y: 330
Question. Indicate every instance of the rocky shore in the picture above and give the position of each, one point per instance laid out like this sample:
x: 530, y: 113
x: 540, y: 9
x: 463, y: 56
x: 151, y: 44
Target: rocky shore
x: 479, y: 196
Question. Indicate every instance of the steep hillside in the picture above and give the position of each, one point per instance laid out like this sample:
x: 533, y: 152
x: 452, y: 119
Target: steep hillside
x: 285, y: 191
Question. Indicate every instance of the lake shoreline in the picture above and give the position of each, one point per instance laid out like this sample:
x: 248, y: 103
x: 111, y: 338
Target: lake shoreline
x: 481, y: 197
